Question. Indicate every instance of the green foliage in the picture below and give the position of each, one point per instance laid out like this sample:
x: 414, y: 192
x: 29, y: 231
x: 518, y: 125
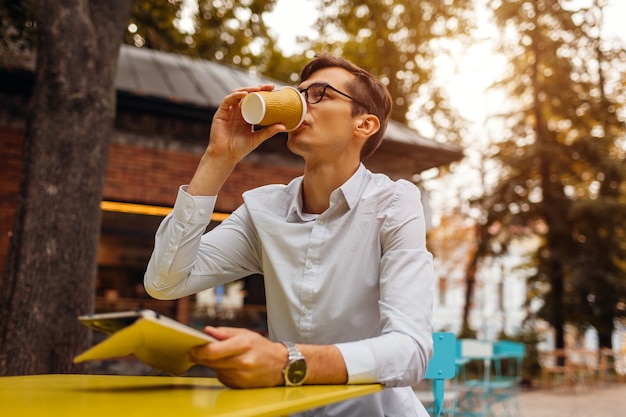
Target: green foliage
x: 18, y: 34
x: 228, y: 31
x: 234, y: 32
x: 152, y: 25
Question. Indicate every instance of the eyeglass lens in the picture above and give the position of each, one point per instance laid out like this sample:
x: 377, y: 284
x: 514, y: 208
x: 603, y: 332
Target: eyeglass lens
x: 314, y: 93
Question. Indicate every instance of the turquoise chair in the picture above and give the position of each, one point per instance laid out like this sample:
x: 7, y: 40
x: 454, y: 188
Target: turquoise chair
x: 441, y: 366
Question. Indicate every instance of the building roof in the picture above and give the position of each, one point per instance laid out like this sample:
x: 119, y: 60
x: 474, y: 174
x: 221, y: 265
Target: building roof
x: 202, y: 84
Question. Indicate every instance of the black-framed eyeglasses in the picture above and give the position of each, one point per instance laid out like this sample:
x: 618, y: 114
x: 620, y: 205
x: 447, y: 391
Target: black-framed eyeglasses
x: 315, y: 93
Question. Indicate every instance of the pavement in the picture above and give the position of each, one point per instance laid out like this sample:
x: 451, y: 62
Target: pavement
x: 603, y: 401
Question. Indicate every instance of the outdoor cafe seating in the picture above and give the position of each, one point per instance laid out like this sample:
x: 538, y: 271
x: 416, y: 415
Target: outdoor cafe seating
x: 487, y: 380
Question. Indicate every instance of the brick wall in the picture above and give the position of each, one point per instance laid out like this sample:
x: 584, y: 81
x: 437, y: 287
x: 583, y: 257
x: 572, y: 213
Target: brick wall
x: 148, y: 176
x: 152, y: 176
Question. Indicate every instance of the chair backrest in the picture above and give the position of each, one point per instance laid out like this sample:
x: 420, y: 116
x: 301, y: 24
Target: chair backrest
x: 474, y: 348
x: 509, y: 348
x: 441, y: 365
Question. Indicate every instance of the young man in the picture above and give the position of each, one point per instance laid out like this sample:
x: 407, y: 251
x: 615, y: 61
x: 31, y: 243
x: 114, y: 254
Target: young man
x: 342, y: 250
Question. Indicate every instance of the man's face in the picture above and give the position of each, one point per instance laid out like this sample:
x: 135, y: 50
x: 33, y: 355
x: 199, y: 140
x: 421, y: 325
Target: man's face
x: 327, y: 130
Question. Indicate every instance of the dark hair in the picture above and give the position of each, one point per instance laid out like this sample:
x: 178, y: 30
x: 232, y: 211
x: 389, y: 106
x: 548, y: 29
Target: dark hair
x: 365, y: 88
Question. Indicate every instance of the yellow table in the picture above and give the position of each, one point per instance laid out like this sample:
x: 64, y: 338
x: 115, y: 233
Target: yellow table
x: 128, y: 396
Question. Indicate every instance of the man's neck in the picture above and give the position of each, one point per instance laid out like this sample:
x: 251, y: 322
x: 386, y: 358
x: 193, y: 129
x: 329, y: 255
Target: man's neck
x: 319, y: 183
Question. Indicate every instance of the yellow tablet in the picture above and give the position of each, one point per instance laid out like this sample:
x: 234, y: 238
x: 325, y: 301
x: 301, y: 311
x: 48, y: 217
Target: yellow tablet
x: 151, y: 337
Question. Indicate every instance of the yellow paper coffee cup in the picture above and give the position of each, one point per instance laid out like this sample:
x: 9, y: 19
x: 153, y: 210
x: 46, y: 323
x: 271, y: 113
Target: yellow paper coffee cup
x: 264, y: 108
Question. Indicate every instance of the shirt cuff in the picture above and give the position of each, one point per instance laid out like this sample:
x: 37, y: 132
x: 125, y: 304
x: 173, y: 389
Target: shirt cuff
x: 193, y: 209
x: 360, y: 362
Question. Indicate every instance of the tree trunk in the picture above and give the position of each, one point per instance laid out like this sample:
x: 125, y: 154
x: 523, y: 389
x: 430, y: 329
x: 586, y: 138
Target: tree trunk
x: 51, y: 263
x: 482, y: 240
x: 605, y: 340
x: 470, y: 284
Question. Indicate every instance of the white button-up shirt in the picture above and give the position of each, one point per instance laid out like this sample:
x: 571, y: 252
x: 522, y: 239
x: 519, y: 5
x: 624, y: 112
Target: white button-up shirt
x: 358, y: 275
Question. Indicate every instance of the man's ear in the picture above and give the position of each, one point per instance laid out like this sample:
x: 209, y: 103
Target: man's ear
x: 366, y: 125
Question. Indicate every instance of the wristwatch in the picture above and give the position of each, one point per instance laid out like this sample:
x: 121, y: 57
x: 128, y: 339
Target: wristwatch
x: 295, y: 370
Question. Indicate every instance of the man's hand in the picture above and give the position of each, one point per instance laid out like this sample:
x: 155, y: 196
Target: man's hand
x: 231, y: 137
x: 230, y: 140
x: 242, y: 358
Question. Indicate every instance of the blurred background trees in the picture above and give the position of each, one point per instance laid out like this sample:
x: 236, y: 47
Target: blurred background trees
x: 561, y: 160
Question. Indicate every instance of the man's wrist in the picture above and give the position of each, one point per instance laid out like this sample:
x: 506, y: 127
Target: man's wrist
x: 210, y: 176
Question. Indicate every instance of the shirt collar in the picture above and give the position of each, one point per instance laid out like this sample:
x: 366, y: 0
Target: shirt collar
x: 351, y: 191
x: 353, y: 188
x: 295, y: 214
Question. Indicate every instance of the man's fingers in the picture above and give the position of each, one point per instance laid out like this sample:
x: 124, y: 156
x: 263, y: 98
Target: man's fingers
x: 269, y: 132
x: 228, y: 345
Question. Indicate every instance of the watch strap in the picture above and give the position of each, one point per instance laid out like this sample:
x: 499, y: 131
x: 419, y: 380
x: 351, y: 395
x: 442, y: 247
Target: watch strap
x: 295, y: 359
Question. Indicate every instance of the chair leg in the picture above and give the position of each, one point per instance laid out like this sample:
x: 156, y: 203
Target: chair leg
x: 438, y: 387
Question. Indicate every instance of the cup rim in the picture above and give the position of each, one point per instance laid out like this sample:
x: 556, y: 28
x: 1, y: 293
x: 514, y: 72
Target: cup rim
x: 261, y: 113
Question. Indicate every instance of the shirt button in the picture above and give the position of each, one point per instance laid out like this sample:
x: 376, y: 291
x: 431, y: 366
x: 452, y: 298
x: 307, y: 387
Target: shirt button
x: 201, y: 212
x: 320, y: 221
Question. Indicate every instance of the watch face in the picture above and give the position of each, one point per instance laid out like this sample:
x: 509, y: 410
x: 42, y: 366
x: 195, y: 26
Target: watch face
x: 296, y: 371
